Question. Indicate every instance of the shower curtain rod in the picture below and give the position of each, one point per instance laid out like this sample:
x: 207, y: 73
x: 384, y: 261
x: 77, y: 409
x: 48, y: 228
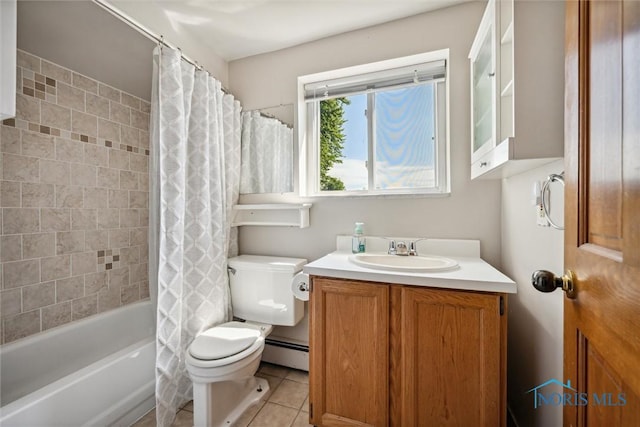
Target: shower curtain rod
x: 152, y: 36
x: 269, y: 116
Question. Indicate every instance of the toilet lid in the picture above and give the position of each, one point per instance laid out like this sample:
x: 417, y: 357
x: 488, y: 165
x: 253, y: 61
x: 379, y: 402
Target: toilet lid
x: 223, y: 341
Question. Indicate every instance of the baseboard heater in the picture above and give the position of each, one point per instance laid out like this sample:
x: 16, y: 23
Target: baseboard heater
x: 285, y: 353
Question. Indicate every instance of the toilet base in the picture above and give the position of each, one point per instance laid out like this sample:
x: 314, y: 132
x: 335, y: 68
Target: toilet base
x: 222, y: 403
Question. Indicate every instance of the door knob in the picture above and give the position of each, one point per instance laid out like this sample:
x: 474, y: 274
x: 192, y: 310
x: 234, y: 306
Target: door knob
x: 546, y: 281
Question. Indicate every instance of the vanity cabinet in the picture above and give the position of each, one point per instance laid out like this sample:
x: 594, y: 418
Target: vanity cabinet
x: 387, y: 354
x: 517, y: 100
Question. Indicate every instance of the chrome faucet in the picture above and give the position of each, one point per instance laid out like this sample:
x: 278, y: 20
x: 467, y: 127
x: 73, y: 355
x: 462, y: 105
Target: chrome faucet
x: 401, y: 249
x: 412, y: 249
x: 392, y: 247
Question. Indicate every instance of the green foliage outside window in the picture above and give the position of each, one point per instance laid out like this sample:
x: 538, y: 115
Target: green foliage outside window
x: 331, y: 141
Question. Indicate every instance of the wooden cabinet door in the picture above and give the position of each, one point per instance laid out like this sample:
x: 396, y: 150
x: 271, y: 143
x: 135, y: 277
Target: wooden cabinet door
x: 349, y: 349
x: 448, y: 358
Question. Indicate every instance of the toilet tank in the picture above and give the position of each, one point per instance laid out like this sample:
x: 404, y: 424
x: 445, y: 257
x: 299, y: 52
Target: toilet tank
x: 261, y: 289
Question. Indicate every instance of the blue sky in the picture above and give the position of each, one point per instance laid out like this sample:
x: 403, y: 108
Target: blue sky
x: 404, y: 132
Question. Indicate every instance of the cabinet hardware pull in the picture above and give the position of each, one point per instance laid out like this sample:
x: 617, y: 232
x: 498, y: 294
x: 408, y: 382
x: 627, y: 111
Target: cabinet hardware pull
x: 483, y: 164
x: 491, y: 74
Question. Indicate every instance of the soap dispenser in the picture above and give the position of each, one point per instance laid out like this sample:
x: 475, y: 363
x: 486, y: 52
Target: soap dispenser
x: 358, y: 242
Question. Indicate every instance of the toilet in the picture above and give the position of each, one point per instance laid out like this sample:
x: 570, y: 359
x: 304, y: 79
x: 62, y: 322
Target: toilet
x: 222, y: 360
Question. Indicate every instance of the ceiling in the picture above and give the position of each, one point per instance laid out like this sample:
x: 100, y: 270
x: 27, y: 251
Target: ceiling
x: 83, y: 36
x: 241, y: 28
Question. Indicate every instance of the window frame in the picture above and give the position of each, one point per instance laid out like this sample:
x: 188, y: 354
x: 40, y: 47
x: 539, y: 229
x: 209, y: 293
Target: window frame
x: 308, y: 130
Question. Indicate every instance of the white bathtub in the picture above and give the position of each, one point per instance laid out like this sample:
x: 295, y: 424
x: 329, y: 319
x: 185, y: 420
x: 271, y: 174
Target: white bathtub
x: 95, y: 372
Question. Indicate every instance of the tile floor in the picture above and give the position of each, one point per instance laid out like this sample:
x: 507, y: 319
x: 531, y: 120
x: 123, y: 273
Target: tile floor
x: 285, y: 405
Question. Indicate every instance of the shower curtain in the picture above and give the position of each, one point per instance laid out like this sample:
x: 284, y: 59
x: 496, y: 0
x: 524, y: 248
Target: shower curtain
x: 195, y: 166
x: 267, y: 155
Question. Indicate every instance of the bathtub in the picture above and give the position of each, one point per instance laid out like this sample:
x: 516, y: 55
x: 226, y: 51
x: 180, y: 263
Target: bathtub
x: 95, y: 372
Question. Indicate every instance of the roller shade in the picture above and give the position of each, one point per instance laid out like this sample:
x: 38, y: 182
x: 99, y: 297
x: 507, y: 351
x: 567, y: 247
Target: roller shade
x: 379, y: 80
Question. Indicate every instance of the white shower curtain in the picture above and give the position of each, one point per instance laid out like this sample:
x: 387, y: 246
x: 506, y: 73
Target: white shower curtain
x: 195, y: 182
x: 267, y: 155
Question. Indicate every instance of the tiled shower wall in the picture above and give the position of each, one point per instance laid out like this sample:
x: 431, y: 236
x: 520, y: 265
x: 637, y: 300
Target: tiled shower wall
x: 74, y: 196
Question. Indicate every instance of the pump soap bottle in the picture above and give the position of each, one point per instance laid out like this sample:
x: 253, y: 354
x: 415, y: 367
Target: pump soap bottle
x: 358, y: 241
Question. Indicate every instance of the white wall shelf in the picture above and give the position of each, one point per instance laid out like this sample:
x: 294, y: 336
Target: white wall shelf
x: 272, y: 215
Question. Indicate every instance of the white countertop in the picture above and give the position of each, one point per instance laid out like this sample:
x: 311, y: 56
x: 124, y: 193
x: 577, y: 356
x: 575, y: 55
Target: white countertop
x: 472, y: 274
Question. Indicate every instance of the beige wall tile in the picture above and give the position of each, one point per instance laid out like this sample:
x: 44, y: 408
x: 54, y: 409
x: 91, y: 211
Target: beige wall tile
x: 69, y: 150
x: 69, y: 242
x: 95, y: 155
x: 144, y: 217
x: 130, y: 255
x: 40, y: 295
x: 38, y: 245
x: 71, y: 288
x: 20, y: 273
x: 84, y: 175
x: 144, y: 252
x: 118, y: 278
x: 128, y: 180
x: 10, y: 139
x: 10, y: 194
x: 20, y: 168
x: 95, y: 282
x: 140, y: 120
x: 54, y: 172
x: 84, y: 219
x: 108, y: 130
x: 28, y: 61
x: 138, y: 236
x: 57, y: 267
x: 96, y: 239
x: 84, y: 307
x: 55, y: 116
x: 20, y: 220
x: 139, y: 162
x: 129, y: 218
x: 144, y: 289
x: 84, y: 263
x: 108, y: 299
x: 56, y: 315
x: 109, y: 92
x: 11, y: 248
x: 118, y: 159
x: 55, y: 219
x: 129, y: 294
x: 138, y: 199
x: 118, y: 238
x: 85, y: 124
x: 84, y: 83
x: 130, y: 136
x: 97, y: 105
x: 108, y: 218
x: 10, y: 302
x: 118, y: 199
x: 143, y: 181
x: 56, y: 72
x: 144, y: 139
x: 108, y: 178
x: 95, y: 198
x: 38, y: 145
x: 21, y: 325
x: 27, y: 108
x: 145, y: 106
x: 38, y: 195
x: 69, y: 96
x: 69, y: 196
x: 130, y: 101
x: 120, y: 113
x: 138, y: 272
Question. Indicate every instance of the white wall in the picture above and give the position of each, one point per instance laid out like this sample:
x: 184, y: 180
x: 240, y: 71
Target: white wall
x: 472, y: 210
x: 535, y: 328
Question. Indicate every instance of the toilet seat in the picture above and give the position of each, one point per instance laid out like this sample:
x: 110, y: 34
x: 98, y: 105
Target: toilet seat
x: 226, y: 343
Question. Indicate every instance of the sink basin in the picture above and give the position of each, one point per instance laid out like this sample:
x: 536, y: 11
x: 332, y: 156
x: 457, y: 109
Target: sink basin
x: 404, y: 263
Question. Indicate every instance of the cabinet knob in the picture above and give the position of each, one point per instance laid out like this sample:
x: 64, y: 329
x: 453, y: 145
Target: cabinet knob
x: 546, y: 281
x: 491, y: 74
x: 483, y: 164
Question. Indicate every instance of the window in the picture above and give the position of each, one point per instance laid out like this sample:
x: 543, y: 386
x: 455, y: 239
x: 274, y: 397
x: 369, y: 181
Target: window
x: 376, y: 129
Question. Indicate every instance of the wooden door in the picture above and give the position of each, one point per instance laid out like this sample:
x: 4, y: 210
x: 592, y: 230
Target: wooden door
x: 448, y: 358
x: 602, y: 212
x: 349, y: 348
